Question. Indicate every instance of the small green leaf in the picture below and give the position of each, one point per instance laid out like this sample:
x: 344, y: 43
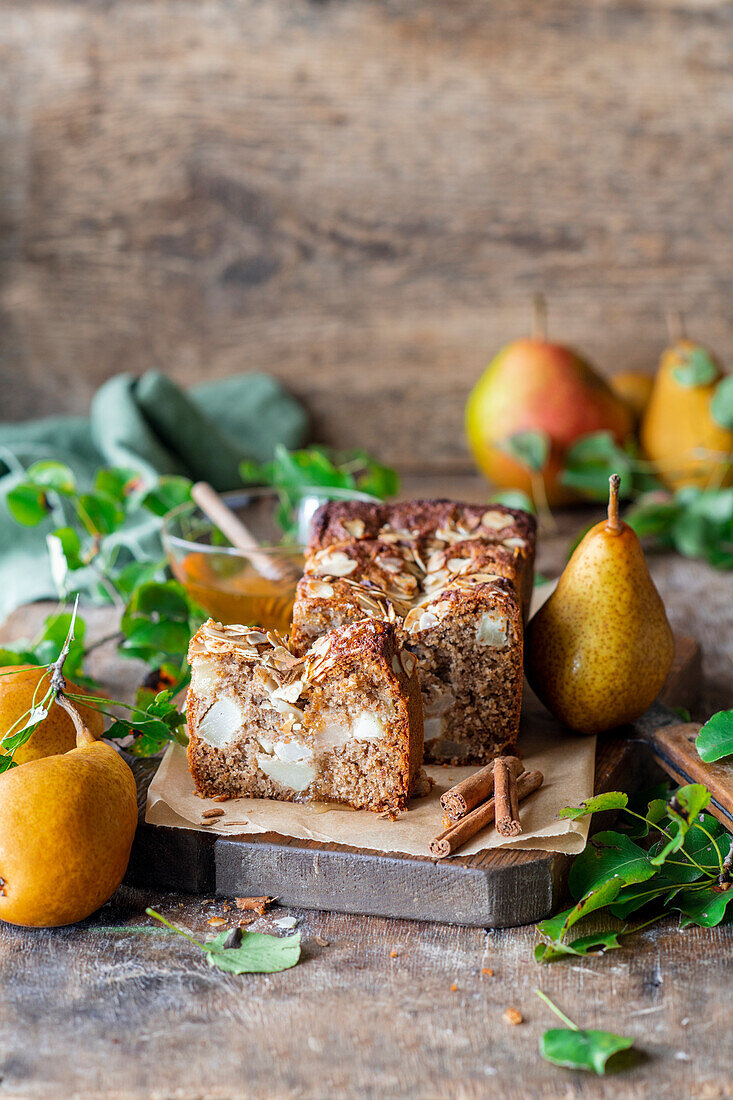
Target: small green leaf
x: 117, y: 483
x: 530, y: 449
x: 100, y: 514
x: 590, y: 461
x: 609, y: 856
x: 168, y: 493
x: 514, y: 498
x: 696, y: 368
x: 706, y: 907
x: 379, y: 481
x: 721, y: 406
x: 683, y: 808
x: 166, y: 599
x: 557, y: 927
x: 589, y: 1050
x: 258, y: 953
x: 611, y: 800
x: 652, y: 516
x: 64, y: 545
x: 594, y: 944
x: 53, y: 475
x: 27, y: 504
x: 715, y: 739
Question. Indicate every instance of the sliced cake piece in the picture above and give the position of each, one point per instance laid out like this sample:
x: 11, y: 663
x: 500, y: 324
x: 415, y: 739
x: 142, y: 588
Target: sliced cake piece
x: 341, y: 723
x: 434, y: 568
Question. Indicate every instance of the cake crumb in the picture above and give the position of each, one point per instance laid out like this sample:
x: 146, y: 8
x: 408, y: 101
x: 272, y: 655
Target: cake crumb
x: 454, y: 988
x: 487, y: 971
x: 512, y: 1016
x: 216, y: 922
x: 393, y: 954
x: 257, y: 905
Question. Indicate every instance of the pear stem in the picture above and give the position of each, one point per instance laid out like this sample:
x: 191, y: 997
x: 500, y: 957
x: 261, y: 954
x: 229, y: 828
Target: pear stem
x: 613, y: 524
x: 84, y: 735
x: 539, y: 317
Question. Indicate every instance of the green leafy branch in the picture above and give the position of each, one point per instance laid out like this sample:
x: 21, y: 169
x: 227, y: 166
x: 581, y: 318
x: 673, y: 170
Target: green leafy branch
x: 679, y: 866
x: 293, y: 472
x: 697, y: 523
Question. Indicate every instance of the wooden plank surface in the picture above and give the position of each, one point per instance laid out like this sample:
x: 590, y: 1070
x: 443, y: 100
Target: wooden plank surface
x: 360, y: 197
x: 86, y: 1013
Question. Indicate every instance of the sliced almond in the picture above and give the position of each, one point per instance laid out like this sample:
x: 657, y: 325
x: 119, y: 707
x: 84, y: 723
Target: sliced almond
x: 354, y: 527
x: 496, y: 520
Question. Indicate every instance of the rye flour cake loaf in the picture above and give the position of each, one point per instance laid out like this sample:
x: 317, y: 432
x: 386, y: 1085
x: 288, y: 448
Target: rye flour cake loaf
x: 457, y: 579
x: 340, y: 723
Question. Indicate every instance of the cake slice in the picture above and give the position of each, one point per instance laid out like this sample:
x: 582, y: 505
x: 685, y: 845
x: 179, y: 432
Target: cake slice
x: 457, y: 580
x: 341, y: 723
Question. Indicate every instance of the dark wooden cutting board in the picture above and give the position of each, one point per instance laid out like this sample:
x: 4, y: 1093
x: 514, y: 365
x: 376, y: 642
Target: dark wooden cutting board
x: 498, y: 889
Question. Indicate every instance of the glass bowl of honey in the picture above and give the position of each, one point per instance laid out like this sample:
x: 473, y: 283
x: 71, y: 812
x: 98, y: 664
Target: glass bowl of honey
x: 255, y: 586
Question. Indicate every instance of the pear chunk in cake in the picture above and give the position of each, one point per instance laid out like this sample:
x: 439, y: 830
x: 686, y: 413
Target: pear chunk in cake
x: 341, y: 723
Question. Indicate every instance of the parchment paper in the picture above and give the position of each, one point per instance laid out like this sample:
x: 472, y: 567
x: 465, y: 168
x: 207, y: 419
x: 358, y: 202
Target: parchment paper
x: 566, y: 761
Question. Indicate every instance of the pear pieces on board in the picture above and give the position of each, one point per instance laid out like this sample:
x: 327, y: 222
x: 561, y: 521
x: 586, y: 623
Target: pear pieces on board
x: 67, y: 824
x: 600, y: 648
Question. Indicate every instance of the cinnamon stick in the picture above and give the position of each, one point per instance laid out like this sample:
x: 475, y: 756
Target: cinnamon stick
x: 466, y: 829
x: 471, y: 792
x: 506, y: 800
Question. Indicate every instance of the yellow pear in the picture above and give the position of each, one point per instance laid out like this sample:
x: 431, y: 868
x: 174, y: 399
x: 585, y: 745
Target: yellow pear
x: 20, y: 685
x: 67, y: 824
x: 600, y: 648
x: 678, y: 431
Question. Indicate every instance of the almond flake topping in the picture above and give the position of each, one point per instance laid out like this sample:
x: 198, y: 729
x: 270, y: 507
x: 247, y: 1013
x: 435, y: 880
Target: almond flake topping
x: 496, y: 520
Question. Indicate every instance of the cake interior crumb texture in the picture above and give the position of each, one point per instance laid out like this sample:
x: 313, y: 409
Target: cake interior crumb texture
x: 341, y: 723
x: 456, y: 579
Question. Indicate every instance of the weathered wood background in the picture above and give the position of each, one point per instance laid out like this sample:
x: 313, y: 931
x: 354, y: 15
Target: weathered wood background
x: 360, y: 197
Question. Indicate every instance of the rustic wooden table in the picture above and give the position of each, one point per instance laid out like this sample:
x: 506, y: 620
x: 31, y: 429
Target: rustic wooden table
x: 375, y: 1007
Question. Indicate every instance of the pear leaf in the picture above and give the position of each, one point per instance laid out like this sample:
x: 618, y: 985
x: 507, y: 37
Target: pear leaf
x: 557, y: 927
x: 595, y: 944
x: 529, y: 449
x: 514, y: 498
x: 257, y: 953
x: 706, y: 908
x: 611, y: 800
x: 721, y: 406
x: 590, y: 461
x: 242, y: 952
x: 579, y: 1049
x: 609, y: 856
x: 52, y: 475
x: 715, y: 739
x: 696, y: 368
x: 683, y: 807
x: 27, y: 504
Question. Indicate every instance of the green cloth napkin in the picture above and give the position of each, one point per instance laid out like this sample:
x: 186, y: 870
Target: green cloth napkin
x: 147, y: 424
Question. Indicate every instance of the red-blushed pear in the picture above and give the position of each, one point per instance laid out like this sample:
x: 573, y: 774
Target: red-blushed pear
x: 544, y: 389
x: 599, y: 650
